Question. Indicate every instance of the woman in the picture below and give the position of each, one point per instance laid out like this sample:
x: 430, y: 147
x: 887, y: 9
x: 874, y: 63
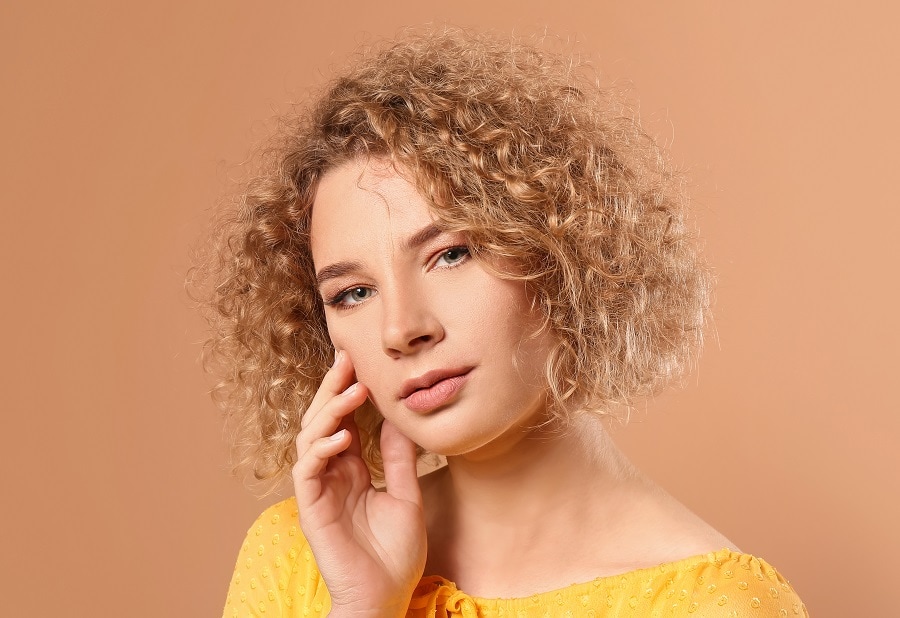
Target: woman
x: 466, y: 249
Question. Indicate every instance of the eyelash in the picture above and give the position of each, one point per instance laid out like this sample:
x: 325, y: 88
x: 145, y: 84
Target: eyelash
x: 337, y: 301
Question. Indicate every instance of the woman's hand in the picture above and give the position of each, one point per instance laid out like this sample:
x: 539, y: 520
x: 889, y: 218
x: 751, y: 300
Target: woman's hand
x: 370, y: 546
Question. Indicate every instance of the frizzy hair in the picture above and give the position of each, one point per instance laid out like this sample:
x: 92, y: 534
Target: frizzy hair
x: 514, y: 145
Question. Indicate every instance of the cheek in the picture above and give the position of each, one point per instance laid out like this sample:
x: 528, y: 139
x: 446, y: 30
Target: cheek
x: 510, y: 325
x: 362, y: 347
x: 501, y: 311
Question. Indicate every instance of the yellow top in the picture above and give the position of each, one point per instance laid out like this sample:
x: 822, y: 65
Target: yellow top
x: 276, y: 575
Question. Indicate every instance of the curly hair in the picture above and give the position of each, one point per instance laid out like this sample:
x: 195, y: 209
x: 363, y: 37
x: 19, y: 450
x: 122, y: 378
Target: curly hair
x: 519, y: 148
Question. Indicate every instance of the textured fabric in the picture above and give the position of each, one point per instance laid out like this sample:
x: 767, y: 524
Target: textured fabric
x: 276, y: 575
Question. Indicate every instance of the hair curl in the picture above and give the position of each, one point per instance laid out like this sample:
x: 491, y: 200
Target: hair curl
x: 514, y: 145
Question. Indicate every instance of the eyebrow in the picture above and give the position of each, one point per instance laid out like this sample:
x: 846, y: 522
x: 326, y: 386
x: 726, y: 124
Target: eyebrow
x: 333, y: 271
x: 421, y: 237
x: 339, y: 269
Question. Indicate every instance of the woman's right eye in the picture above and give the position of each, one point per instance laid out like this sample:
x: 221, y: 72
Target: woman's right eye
x: 350, y: 297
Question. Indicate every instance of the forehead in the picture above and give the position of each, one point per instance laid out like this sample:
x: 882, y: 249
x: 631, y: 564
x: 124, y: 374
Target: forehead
x: 361, y: 204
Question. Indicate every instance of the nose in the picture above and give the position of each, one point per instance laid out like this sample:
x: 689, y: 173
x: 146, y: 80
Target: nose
x: 409, y: 324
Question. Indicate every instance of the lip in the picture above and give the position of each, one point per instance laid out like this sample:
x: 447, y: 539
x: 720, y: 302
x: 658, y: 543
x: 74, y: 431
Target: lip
x: 433, y: 389
x: 429, y: 379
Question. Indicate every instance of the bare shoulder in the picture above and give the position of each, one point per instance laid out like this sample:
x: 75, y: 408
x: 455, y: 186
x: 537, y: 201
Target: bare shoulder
x: 671, y: 531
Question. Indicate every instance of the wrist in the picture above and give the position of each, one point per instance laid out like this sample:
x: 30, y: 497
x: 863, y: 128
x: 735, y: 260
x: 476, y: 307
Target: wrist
x: 395, y: 607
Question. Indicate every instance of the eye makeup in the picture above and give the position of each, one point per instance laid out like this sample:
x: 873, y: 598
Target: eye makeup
x: 451, y: 257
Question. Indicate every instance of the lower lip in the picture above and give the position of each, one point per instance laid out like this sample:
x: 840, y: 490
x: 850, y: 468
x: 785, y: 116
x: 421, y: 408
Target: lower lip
x: 427, y: 399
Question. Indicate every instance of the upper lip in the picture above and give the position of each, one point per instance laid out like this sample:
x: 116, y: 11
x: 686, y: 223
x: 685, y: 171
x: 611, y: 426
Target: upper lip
x: 429, y: 379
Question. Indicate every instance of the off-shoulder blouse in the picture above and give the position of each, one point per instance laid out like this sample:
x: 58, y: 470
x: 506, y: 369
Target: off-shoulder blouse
x: 276, y: 575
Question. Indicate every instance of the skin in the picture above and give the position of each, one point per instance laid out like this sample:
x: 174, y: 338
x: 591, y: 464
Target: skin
x: 519, y: 509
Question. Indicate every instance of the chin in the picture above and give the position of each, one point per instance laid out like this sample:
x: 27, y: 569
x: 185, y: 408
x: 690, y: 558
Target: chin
x: 449, y: 441
x: 462, y: 428
x: 443, y: 437
x: 450, y: 446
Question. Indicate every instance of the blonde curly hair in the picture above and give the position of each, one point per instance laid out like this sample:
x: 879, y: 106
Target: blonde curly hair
x: 514, y: 145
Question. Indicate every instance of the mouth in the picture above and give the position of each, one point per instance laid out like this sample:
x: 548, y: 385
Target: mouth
x: 433, y: 389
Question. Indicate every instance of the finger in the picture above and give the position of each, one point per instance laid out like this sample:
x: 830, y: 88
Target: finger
x: 398, y: 454
x: 355, y: 448
x: 328, y: 419
x: 336, y: 380
x: 306, y: 472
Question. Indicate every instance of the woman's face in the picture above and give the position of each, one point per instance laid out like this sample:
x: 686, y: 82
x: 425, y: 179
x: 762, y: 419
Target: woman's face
x: 442, y: 344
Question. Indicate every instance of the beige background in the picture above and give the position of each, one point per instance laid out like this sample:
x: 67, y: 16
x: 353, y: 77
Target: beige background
x: 124, y: 123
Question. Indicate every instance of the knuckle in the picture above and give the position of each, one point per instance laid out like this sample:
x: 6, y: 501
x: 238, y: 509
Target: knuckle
x: 304, y: 461
x: 301, y: 443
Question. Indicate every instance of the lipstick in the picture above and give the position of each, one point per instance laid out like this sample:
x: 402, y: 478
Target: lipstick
x: 439, y: 390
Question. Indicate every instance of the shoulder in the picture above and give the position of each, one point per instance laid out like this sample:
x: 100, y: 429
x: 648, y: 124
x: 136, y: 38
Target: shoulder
x: 279, y: 519
x: 728, y: 583
x: 274, y: 539
x: 275, y: 573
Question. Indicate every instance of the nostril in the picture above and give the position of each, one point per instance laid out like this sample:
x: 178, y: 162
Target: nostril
x: 410, y: 332
x: 421, y: 339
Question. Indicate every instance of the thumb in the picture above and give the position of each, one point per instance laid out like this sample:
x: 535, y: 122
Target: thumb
x: 398, y: 454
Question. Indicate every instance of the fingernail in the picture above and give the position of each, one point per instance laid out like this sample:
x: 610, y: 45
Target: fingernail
x: 337, y: 436
x: 351, y: 389
x: 337, y: 358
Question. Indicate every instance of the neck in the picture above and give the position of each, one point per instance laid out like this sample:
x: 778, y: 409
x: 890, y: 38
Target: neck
x: 529, y: 499
x: 550, y: 509
x: 536, y: 485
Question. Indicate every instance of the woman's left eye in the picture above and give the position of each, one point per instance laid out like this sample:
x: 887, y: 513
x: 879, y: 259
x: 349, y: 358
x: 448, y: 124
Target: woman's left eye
x: 452, y: 256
